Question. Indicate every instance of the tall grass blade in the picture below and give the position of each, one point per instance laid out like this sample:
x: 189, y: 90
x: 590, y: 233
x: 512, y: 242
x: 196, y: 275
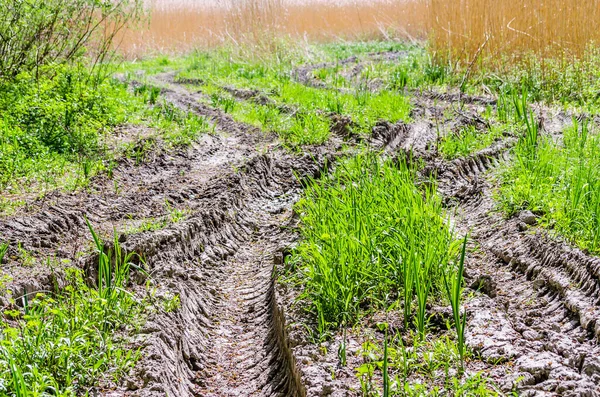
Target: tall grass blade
x: 454, y: 291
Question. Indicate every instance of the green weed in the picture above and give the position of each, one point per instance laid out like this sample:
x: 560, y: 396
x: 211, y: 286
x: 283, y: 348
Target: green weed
x: 469, y: 140
x: 417, y: 368
x: 65, y: 342
x: 171, y: 303
x: 176, y: 214
x: 454, y: 289
x: 3, y: 249
x: 178, y: 128
x: 560, y: 181
x: 367, y: 229
x: 149, y: 93
x: 51, y: 129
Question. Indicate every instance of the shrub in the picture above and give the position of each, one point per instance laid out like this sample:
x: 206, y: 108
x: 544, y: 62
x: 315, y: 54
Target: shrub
x: 34, y: 33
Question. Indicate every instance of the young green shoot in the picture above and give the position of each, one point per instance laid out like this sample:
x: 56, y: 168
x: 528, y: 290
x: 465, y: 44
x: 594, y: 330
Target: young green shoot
x: 454, y: 289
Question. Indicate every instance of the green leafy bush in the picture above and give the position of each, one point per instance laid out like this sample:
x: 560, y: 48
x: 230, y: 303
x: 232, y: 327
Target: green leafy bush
x: 36, y: 33
x: 54, y: 126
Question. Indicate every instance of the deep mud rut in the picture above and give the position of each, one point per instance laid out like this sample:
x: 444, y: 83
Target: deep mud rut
x: 539, y: 306
x: 227, y: 338
x: 534, y: 320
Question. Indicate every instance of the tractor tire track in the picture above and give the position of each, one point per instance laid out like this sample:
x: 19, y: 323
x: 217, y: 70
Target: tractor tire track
x: 228, y: 336
x: 539, y: 307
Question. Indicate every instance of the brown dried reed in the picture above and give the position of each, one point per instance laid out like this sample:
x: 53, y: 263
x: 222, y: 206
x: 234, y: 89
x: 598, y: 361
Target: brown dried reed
x: 499, y: 30
x: 180, y: 25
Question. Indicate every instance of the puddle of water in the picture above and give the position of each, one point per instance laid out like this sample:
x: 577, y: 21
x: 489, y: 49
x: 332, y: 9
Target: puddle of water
x: 180, y: 25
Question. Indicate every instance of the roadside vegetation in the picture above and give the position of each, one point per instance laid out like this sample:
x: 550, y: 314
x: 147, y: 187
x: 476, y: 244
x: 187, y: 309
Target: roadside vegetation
x: 61, y: 106
x: 53, y: 128
x: 559, y: 181
x: 74, y: 339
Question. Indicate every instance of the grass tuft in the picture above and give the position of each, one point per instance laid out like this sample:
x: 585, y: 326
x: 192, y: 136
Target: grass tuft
x: 74, y: 338
x: 371, y: 232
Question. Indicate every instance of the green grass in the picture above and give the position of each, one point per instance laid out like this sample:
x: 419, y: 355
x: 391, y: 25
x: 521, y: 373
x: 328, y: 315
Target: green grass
x: 71, y: 339
x: 413, y: 367
x: 57, y: 132
x: 298, y: 128
x: 3, y: 250
x: 174, y: 215
x: 300, y: 114
x: 414, y: 69
x: 373, y: 237
x: 176, y: 128
x: 469, y: 140
x: 344, y: 49
x: 568, y: 84
x: 560, y: 181
x: 454, y: 291
x: 51, y: 129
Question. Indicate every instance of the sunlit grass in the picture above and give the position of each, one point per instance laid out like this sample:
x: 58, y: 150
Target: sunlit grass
x: 418, y: 367
x: 469, y: 140
x: 559, y: 181
x: 372, y: 236
x: 300, y: 114
x: 65, y: 341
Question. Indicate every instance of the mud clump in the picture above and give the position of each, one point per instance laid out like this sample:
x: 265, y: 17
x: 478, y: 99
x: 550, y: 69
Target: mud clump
x: 528, y: 218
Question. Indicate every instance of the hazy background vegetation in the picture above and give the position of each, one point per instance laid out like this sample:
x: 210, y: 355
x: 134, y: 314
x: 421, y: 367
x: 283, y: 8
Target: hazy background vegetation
x: 461, y: 28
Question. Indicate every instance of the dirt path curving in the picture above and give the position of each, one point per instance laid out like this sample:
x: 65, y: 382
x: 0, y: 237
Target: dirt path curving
x: 228, y: 336
x: 537, y: 315
x: 535, y: 321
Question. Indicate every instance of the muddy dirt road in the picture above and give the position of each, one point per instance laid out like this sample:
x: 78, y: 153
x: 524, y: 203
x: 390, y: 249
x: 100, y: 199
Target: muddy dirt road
x: 534, y: 319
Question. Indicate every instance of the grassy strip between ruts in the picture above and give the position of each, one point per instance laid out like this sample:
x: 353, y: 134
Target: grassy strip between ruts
x: 375, y: 238
x: 70, y: 341
x: 300, y: 114
x: 372, y: 238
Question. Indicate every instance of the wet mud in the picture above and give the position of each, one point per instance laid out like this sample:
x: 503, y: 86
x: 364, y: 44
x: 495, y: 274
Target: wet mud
x: 533, y: 319
x: 535, y: 315
x: 228, y: 336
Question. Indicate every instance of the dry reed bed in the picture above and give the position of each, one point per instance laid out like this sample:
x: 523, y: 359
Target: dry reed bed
x: 551, y: 28
x: 177, y: 26
x: 495, y: 31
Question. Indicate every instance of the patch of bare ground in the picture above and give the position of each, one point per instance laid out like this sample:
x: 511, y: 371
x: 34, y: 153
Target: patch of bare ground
x: 533, y: 319
x: 537, y: 314
x: 228, y: 336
